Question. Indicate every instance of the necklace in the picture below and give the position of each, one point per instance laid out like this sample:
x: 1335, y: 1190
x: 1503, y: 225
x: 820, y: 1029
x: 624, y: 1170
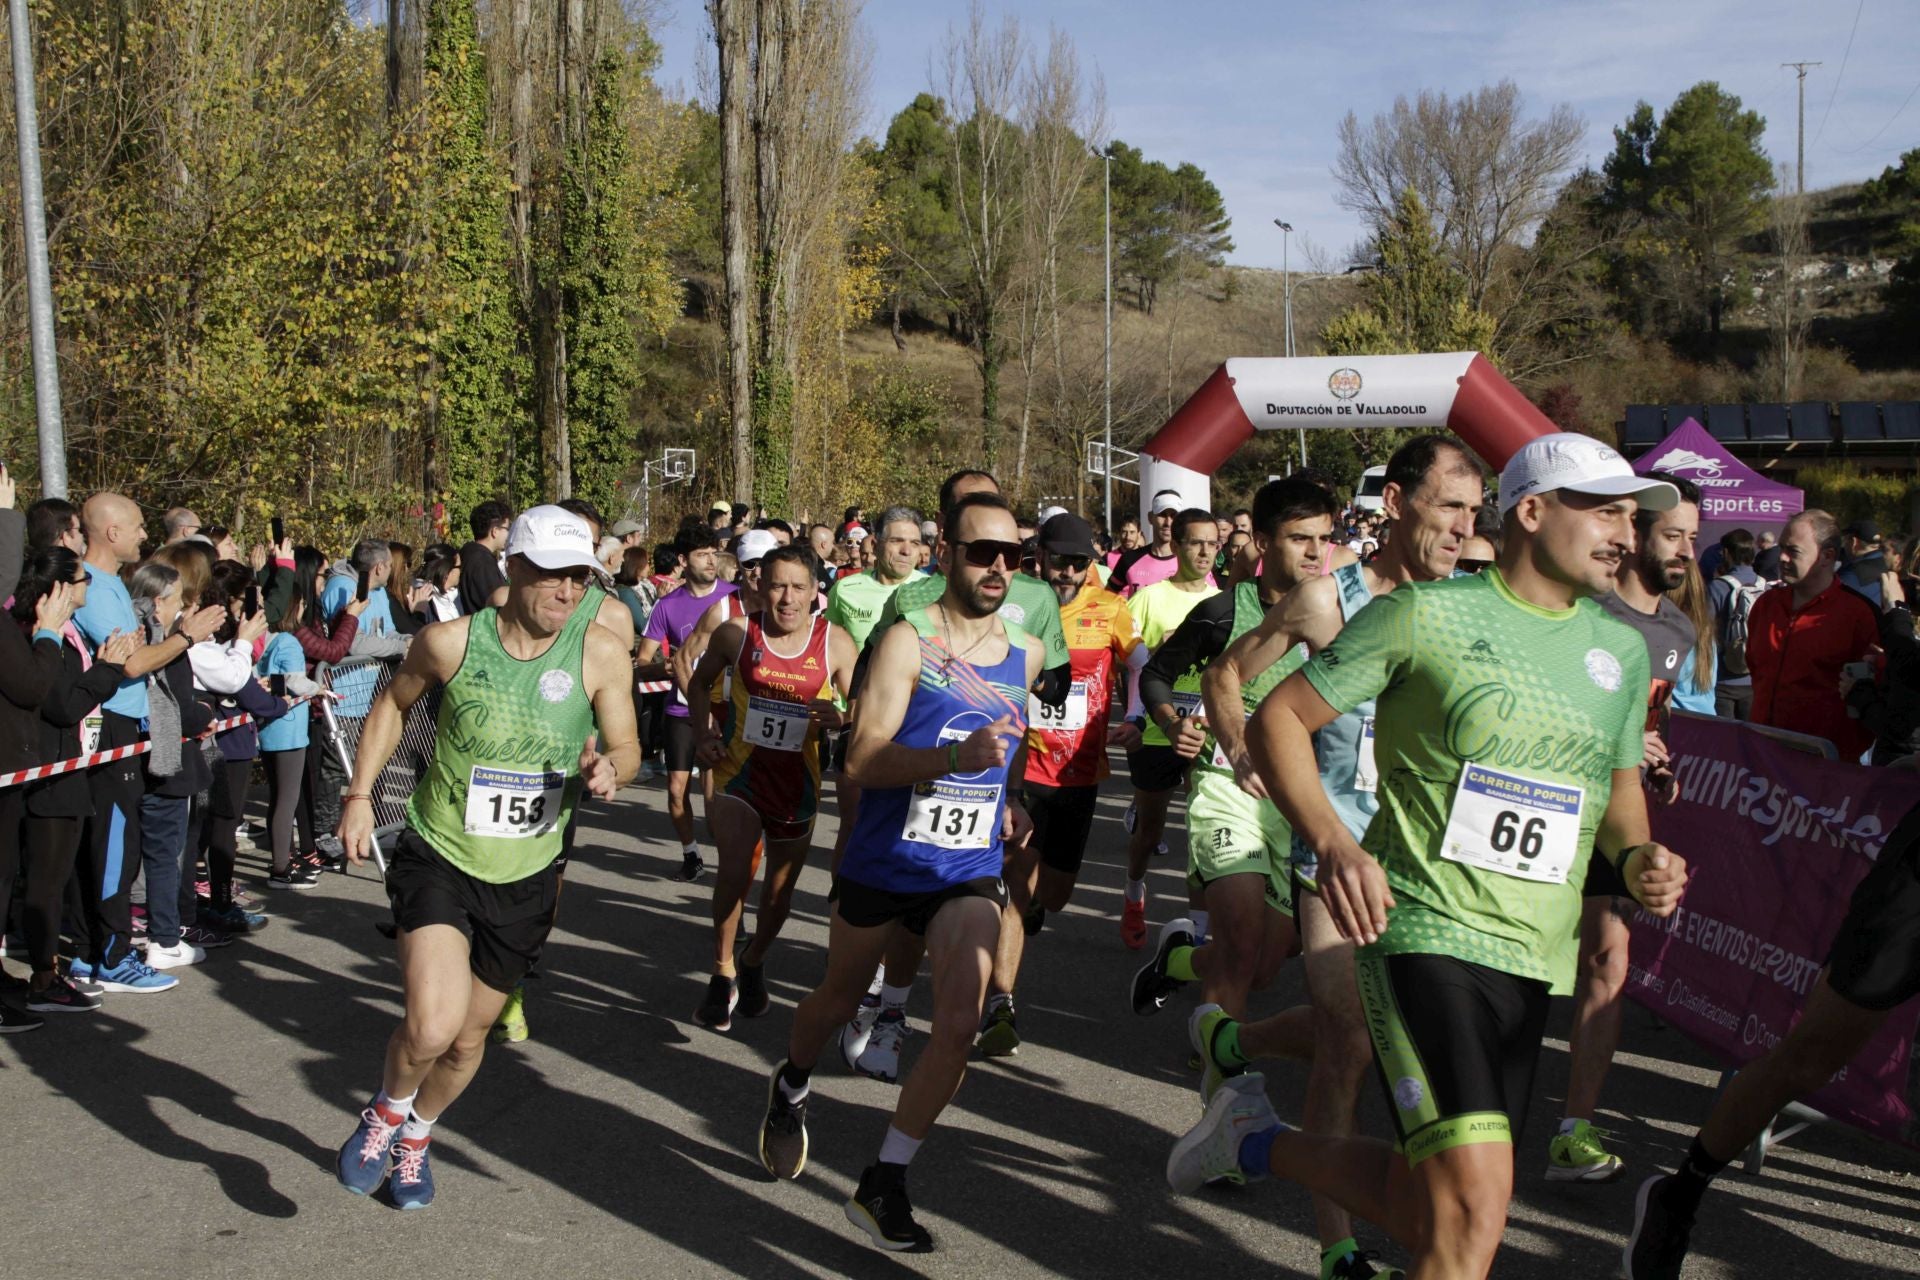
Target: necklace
x: 946, y: 638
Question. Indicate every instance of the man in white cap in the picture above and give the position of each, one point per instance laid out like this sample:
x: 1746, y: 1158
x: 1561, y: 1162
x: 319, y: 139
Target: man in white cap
x: 532, y: 689
x: 1509, y: 710
x: 1159, y: 559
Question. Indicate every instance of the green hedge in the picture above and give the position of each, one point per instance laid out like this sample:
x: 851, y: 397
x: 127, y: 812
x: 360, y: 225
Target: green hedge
x: 1851, y: 494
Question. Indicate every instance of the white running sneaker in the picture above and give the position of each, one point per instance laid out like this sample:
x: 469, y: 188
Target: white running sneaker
x: 177, y: 956
x: 881, y: 1058
x: 858, y: 1032
x: 1210, y: 1151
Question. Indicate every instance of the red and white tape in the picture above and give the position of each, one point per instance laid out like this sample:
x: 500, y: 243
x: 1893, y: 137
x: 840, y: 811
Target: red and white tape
x: 653, y: 686
x: 108, y: 756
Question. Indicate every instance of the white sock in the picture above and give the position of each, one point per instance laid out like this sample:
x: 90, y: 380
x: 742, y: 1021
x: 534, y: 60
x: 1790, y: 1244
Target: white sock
x: 879, y: 980
x: 1136, y: 891
x: 1567, y: 1126
x: 998, y: 998
x: 793, y: 1095
x: 894, y: 999
x: 1200, y: 921
x: 898, y: 1148
x: 416, y: 1129
x: 395, y: 1106
x: 688, y: 850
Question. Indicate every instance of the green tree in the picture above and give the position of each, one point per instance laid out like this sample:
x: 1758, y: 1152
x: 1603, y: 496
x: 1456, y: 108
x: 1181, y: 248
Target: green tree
x: 486, y: 442
x: 915, y: 167
x: 1165, y: 222
x: 1695, y: 185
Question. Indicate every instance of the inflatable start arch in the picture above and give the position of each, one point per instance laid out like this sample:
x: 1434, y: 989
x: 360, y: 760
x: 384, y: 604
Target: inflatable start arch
x: 1460, y: 391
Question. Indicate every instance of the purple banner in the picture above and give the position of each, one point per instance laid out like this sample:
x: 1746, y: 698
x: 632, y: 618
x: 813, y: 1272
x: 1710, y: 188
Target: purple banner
x: 1776, y: 839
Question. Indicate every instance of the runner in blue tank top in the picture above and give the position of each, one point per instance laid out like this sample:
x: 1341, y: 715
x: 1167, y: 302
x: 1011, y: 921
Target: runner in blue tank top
x: 1434, y: 487
x: 942, y: 715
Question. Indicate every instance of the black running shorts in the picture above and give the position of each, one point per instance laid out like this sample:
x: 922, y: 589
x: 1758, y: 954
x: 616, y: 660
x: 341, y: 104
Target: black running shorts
x: 505, y: 925
x: 1454, y: 1044
x: 679, y: 744
x: 1875, y: 962
x: 1157, y: 769
x: 1062, y: 820
x: 865, y: 907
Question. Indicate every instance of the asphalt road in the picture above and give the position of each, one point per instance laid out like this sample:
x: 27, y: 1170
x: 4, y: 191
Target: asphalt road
x: 192, y: 1134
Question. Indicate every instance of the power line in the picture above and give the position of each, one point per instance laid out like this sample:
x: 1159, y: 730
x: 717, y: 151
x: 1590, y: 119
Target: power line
x: 1842, y: 73
x: 1888, y: 125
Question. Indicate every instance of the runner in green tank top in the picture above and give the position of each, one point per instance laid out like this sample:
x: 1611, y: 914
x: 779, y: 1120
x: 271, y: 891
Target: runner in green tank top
x: 1238, y: 845
x: 1509, y: 711
x: 528, y: 691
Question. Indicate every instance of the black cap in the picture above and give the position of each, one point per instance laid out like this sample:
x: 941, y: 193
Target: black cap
x: 1068, y: 535
x: 1865, y: 530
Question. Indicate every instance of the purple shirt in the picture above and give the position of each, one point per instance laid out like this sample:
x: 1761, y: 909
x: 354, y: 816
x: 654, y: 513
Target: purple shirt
x: 674, y: 619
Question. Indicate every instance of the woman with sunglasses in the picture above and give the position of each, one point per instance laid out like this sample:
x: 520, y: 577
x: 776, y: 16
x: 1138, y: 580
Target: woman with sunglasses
x: 51, y: 588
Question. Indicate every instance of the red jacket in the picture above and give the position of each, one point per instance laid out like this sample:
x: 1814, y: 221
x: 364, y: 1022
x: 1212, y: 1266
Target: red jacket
x: 1796, y: 656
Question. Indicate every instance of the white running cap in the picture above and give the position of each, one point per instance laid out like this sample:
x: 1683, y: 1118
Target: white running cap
x: 753, y: 544
x: 1578, y: 464
x: 552, y: 538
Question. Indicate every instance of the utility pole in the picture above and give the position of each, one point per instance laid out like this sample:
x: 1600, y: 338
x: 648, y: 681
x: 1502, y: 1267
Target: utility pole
x: 1800, y: 135
x: 1286, y: 294
x: 33, y: 213
x: 1107, y: 435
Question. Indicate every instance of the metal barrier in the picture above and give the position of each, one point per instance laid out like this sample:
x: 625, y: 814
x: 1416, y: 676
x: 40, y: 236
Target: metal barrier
x: 358, y: 682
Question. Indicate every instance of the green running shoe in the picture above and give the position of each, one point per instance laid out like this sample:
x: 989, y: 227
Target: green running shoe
x: 511, y: 1026
x: 999, y: 1037
x: 1201, y: 1025
x: 1579, y: 1157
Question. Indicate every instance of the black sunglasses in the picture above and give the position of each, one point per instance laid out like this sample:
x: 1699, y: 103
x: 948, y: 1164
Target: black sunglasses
x: 1076, y: 563
x: 1471, y: 566
x: 982, y: 552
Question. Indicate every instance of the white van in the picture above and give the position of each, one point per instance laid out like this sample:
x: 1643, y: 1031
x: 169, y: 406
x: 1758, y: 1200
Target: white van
x: 1373, y: 483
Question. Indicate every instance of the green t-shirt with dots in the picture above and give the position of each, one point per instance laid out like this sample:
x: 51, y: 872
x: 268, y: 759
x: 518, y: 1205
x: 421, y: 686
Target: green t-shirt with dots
x: 1464, y: 671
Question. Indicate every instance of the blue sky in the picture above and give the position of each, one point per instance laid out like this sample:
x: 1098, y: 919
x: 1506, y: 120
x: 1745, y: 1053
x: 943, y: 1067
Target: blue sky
x: 1254, y: 92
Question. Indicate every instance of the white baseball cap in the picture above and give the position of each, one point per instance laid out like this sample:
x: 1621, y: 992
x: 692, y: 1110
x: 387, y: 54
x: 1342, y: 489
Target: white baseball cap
x: 552, y: 538
x: 1168, y: 501
x: 1578, y: 464
x: 1048, y: 513
x: 754, y: 544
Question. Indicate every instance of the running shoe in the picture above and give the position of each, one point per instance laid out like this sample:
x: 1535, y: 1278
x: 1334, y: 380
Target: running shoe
x: 13, y: 1021
x: 298, y: 875
x: 362, y: 1164
x: 880, y: 1208
x: 1210, y: 1151
x: 412, y: 1184
x: 137, y: 920
x: 783, y: 1134
x: 131, y: 976
x: 881, y: 1058
x: 1133, y: 924
x: 80, y: 975
x: 855, y: 1035
x: 178, y: 956
x: 999, y: 1037
x: 205, y: 937
x: 244, y: 900
x: 235, y: 919
x: 332, y: 852
x: 716, y: 1010
x: 1355, y: 1264
x: 1658, y: 1243
x: 510, y: 1027
x: 1579, y: 1157
x: 1151, y: 985
x: 753, y: 998
x: 61, y: 996
x: 1202, y: 1024
x: 691, y: 867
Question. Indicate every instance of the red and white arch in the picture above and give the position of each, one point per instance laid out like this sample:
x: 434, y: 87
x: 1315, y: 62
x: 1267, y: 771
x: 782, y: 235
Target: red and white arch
x: 1460, y: 391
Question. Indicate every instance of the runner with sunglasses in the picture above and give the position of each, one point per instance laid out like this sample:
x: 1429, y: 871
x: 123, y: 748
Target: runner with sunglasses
x: 529, y: 690
x: 1066, y: 761
x: 872, y: 1041
x: 935, y: 743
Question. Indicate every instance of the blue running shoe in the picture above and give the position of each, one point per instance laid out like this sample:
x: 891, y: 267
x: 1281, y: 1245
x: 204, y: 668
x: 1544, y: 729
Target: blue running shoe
x: 132, y: 977
x: 412, y: 1185
x: 362, y: 1165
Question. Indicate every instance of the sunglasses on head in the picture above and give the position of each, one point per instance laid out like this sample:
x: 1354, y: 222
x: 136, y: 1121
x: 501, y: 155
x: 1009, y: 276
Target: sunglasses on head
x: 982, y: 552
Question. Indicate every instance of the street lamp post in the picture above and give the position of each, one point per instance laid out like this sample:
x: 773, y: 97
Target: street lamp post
x: 1107, y: 435
x: 1286, y: 306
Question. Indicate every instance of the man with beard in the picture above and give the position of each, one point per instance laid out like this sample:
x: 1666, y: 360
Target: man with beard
x: 1508, y: 748
x: 1664, y: 548
x: 935, y: 741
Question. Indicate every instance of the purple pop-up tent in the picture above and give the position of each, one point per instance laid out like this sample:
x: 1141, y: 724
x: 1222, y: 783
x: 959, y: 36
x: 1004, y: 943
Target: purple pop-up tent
x: 1731, y: 493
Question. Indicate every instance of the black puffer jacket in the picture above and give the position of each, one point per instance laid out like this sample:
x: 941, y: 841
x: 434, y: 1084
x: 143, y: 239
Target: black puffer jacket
x: 27, y: 669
